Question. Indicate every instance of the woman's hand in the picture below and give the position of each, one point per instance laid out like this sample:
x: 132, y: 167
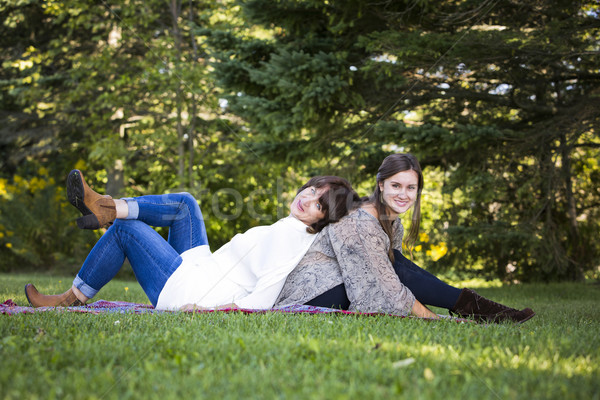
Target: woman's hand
x: 419, y: 310
x: 193, y: 307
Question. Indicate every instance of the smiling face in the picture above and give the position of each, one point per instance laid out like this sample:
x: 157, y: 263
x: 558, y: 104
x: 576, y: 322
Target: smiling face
x: 306, y: 206
x: 399, y: 192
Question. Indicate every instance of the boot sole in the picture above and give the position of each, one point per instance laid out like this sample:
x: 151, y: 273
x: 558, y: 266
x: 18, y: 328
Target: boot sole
x: 526, y: 319
x: 75, y: 194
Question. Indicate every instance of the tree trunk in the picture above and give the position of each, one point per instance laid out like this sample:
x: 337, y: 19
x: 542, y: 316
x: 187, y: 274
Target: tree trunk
x: 192, y: 125
x: 574, y: 268
x: 175, y: 13
x: 115, y: 184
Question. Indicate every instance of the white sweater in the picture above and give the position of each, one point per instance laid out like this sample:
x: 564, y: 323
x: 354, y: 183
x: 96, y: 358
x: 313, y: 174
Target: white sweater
x: 249, y: 271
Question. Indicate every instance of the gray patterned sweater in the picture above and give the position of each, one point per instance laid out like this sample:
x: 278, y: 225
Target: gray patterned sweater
x: 352, y: 251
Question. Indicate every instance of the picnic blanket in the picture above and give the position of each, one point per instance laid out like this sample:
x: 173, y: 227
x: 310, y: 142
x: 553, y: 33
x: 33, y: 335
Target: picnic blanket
x: 9, y: 307
x: 103, y: 306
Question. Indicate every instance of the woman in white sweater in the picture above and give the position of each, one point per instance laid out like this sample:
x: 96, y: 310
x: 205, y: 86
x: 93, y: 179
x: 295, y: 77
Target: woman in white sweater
x: 181, y: 272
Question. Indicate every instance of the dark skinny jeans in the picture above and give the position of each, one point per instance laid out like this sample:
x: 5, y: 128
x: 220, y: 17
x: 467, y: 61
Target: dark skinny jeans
x: 427, y: 288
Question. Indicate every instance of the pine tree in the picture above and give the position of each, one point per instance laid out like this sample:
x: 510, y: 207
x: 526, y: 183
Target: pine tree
x: 500, y: 96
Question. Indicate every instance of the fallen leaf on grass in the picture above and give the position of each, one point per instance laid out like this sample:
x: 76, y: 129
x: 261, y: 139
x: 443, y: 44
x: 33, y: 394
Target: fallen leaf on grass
x: 403, y: 363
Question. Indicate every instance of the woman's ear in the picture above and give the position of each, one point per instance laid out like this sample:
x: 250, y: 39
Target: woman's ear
x: 380, y: 184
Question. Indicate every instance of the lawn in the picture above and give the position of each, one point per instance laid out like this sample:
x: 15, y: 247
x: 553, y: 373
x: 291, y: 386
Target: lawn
x: 57, y: 355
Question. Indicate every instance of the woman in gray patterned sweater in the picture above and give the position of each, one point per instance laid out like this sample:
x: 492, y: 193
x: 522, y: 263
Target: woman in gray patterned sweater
x: 357, y: 263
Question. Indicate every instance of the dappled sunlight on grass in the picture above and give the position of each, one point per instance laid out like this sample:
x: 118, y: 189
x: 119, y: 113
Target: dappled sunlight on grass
x: 501, y: 357
x: 474, y: 283
x: 236, y: 355
x: 485, y: 363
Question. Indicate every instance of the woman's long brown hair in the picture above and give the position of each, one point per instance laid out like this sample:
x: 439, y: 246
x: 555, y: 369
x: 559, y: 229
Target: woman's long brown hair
x: 390, y: 166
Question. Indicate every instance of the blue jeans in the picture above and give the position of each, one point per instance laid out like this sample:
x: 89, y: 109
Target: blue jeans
x: 152, y: 258
x: 426, y: 287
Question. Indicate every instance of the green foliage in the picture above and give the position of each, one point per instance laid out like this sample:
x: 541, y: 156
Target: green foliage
x: 123, y: 88
x: 36, y: 227
x: 498, y: 99
x: 495, y: 96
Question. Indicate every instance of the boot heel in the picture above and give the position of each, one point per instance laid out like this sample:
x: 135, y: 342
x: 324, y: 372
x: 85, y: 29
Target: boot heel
x: 88, y: 222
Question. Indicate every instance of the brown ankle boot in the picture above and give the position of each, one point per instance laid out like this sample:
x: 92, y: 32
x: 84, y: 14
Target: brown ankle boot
x: 471, y: 304
x: 98, y: 211
x: 36, y: 299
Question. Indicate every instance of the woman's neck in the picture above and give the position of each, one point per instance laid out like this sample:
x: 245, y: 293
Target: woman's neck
x: 371, y: 209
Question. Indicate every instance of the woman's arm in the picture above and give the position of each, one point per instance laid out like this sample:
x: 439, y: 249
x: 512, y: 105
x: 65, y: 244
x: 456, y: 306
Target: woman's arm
x: 194, y: 307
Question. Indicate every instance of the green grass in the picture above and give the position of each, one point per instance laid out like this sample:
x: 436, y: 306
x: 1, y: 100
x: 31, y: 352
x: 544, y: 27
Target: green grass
x: 57, y: 355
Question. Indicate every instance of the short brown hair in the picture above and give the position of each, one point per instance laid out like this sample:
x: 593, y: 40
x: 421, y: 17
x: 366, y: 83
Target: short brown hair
x: 336, y: 202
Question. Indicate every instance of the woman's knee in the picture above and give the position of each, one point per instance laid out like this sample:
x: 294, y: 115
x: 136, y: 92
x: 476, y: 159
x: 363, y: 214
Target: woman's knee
x: 191, y: 203
x: 186, y: 197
